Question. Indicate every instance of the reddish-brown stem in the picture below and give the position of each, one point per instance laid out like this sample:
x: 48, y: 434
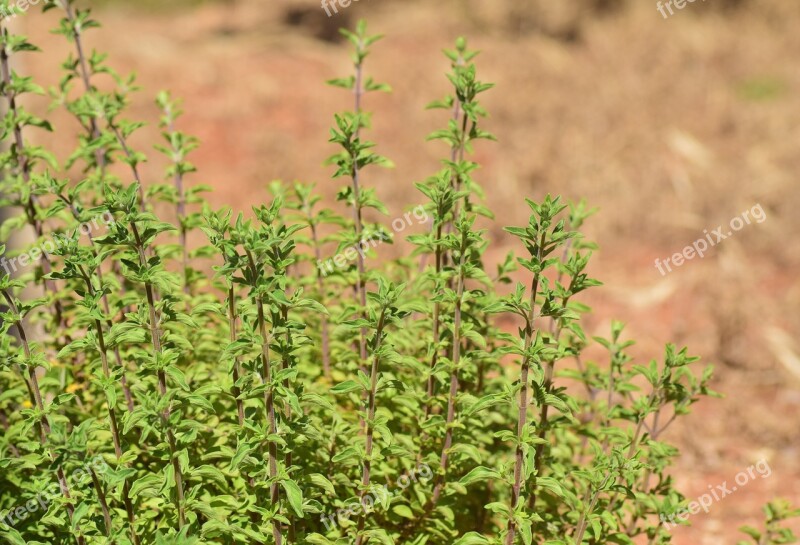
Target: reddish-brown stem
x: 25, y: 170
x: 129, y: 154
x: 44, y: 423
x: 112, y: 415
x: 451, y: 405
x: 101, y: 163
x: 451, y: 401
x: 237, y: 370
x: 454, y: 154
x: 101, y: 497
x: 84, y: 73
x: 286, y: 407
x: 180, y: 206
x: 361, y: 287
x: 326, y: 350
x: 522, y: 418
x: 456, y: 180
x: 155, y: 337
x: 269, y: 405
x: 538, y: 457
x: 436, y: 326
x: 365, y: 478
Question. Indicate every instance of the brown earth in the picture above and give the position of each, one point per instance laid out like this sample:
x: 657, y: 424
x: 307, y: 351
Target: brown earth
x: 669, y: 126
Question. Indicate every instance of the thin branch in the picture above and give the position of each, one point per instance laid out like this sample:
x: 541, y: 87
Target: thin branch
x: 365, y: 479
x: 44, y: 422
x: 155, y: 336
x: 112, y: 416
x: 269, y: 405
x: 523, y: 401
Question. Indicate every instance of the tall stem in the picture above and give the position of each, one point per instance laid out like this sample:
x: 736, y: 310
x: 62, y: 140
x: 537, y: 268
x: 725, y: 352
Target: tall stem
x: 436, y: 333
x: 44, y: 423
x: 326, y: 350
x: 365, y: 478
x: 269, y: 405
x: 100, y: 159
x: 129, y: 154
x: 19, y: 153
x: 361, y: 288
x: 456, y: 152
x: 126, y: 390
x: 538, y: 456
x: 286, y: 407
x: 180, y: 207
x: 112, y: 416
x: 237, y: 368
x: 451, y: 401
x: 155, y: 337
x: 85, y: 78
x: 522, y: 419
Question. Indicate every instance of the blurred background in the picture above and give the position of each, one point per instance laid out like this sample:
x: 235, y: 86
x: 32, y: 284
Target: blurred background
x: 668, y: 125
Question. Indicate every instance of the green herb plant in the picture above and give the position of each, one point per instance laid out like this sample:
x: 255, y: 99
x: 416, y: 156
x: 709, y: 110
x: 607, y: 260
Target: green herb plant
x: 239, y: 392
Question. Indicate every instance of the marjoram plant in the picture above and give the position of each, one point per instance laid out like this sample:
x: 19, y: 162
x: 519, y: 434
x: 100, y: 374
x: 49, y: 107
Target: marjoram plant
x: 233, y: 392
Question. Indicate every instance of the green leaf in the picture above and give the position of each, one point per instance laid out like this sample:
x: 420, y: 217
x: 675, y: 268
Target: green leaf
x: 13, y: 537
x: 318, y: 539
x: 478, y: 474
x: 471, y: 538
x: 322, y: 482
x: 294, y: 495
x: 403, y: 511
x: 345, y: 387
x: 80, y: 512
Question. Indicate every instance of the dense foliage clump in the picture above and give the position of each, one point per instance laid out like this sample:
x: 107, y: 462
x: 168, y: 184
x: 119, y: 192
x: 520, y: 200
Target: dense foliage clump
x: 145, y: 399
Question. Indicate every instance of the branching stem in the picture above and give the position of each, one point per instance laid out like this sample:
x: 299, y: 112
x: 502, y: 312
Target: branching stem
x: 522, y: 419
x: 365, y: 480
x: 155, y: 336
x: 112, y: 416
x: 44, y: 422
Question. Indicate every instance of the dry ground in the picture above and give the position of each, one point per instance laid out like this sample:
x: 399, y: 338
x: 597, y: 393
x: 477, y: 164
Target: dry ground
x: 669, y: 126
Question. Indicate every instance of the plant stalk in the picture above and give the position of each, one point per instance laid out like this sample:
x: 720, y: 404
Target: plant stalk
x: 112, y: 417
x: 269, y: 404
x: 155, y: 337
x: 44, y: 423
x: 523, y: 403
x: 370, y: 422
